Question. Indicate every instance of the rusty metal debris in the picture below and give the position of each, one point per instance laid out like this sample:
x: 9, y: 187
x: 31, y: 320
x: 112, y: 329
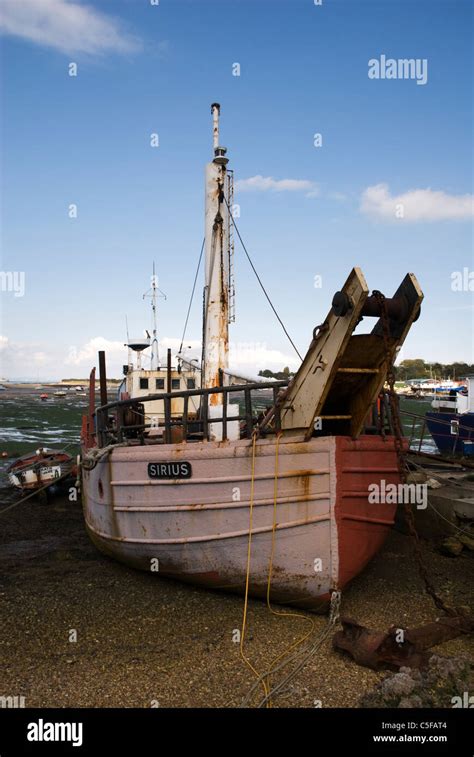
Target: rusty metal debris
x: 398, y: 647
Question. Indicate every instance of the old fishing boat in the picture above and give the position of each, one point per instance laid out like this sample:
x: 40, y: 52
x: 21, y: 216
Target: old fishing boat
x: 39, y: 469
x: 227, y: 494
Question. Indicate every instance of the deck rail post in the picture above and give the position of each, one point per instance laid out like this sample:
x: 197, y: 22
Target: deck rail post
x: 277, y: 413
x: 224, y: 416
x: 248, y: 412
x: 205, y: 416
x: 167, y: 402
x: 185, y: 416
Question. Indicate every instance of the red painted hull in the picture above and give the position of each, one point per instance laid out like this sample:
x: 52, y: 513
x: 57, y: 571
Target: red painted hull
x: 362, y: 526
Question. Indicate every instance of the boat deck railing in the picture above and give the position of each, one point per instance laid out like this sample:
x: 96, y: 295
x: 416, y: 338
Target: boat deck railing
x: 128, y: 419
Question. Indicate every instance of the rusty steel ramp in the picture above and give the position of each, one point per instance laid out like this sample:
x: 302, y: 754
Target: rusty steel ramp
x: 343, y: 373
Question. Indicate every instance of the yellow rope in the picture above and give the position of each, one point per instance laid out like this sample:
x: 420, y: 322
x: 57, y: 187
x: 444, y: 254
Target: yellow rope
x: 265, y: 680
x: 281, y: 613
x: 247, y: 578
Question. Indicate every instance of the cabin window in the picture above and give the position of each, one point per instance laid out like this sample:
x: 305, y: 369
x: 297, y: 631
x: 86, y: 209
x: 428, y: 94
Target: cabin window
x: 191, y: 383
x: 160, y: 383
x: 143, y: 383
x: 175, y: 383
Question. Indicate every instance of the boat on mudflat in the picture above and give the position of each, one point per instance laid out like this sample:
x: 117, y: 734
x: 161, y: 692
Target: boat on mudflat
x: 41, y: 468
x: 229, y: 497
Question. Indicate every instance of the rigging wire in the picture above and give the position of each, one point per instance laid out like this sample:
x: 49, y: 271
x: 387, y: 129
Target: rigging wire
x: 192, y: 295
x: 260, y: 281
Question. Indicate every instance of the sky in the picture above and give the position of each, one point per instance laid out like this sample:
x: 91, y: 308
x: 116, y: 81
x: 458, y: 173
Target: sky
x: 387, y: 186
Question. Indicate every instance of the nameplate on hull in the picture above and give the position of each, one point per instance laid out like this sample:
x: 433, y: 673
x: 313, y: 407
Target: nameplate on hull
x: 179, y: 469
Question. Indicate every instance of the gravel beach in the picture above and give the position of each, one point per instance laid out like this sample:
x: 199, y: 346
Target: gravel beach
x: 146, y: 641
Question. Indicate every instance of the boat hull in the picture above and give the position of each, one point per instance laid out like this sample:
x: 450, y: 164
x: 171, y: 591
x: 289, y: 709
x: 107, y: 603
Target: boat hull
x: 323, y: 528
x: 439, y: 428
x: 36, y: 471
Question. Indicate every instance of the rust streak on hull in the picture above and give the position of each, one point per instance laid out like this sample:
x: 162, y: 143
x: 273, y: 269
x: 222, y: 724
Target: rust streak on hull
x: 326, y: 530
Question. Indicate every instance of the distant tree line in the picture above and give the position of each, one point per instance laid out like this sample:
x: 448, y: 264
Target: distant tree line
x: 412, y: 369
x: 278, y: 375
x: 408, y: 369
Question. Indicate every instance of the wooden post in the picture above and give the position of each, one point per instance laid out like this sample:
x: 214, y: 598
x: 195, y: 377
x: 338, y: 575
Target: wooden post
x: 90, y: 441
x: 248, y: 412
x: 167, y: 403
x: 102, y: 378
x: 224, y: 414
x: 168, y: 372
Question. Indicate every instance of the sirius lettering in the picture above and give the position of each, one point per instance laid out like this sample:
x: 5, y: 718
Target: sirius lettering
x: 42, y: 731
x: 403, y: 68
x: 170, y: 470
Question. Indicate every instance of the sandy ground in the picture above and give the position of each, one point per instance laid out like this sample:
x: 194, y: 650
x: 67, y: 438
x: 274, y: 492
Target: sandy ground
x: 144, y: 639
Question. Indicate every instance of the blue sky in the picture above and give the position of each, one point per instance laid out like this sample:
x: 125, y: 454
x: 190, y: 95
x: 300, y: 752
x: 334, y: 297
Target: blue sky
x: 144, y: 69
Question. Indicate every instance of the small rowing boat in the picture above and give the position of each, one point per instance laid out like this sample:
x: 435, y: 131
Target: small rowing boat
x: 41, y: 468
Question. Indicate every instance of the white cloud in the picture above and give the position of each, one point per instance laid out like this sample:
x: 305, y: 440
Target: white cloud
x: 87, y: 354
x: 66, y: 26
x: 268, y: 183
x: 248, y: 357
x: 26, y: 360
x: 251, y: 357
x: 47, y: 362
x: 415, y: 205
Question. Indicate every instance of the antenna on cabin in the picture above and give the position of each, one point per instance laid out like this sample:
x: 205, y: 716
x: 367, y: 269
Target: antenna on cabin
x: 153, y: 293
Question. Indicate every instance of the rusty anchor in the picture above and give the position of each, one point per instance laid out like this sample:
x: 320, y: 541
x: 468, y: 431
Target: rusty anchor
x: 398, y: 647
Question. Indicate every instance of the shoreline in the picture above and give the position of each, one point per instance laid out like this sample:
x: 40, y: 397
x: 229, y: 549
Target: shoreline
x: 142, y: 638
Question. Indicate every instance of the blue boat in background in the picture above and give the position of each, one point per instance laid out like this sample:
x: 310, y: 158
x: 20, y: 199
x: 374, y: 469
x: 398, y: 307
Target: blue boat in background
x: 451, y: 424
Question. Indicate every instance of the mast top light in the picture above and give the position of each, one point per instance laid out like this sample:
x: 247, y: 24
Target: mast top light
x: 219, y: 156
x: 215, y: 110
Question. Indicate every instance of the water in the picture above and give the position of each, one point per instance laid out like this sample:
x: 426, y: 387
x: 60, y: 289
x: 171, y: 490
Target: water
x: 414, y: 432
x: 26, y: 423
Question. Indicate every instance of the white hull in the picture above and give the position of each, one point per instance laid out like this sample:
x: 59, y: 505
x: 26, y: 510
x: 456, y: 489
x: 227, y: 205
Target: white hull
x: 197, y: 529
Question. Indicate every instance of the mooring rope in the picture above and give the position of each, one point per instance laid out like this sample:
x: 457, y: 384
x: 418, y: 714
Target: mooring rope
x: 247, y: 577
x: 301, y: 655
